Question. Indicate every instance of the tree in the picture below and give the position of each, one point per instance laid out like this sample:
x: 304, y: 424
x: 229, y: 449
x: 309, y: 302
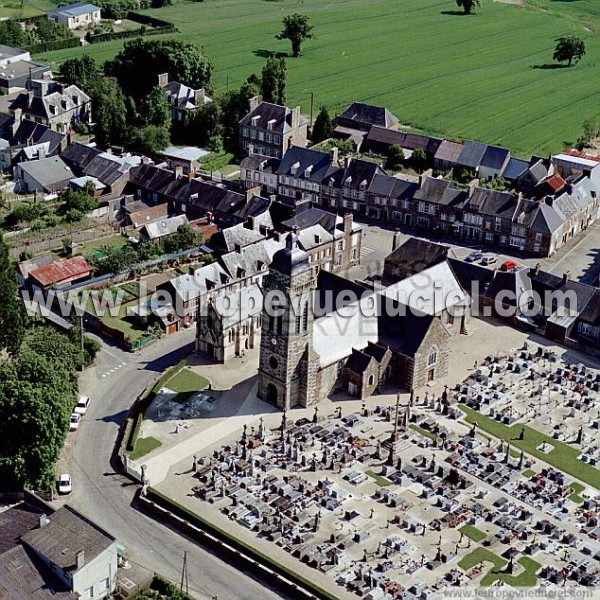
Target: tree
x: 296, y: 28
x: 234, y: 105
x: 418, y: 160
x: 591, y: 130
x: 323, y: 128
x: 395, y: 158
x: 184, y: 239
x: 77, y: 200
x: 149, y: 139
x: 13, y: 317
x: 201, y: 127
x: 155, y: 110
x: 138, y: 65
x: 82, y: 72
x: 569, y: 48
x: 108, y: 108
x: 468, y: 6
x: 272, y: 85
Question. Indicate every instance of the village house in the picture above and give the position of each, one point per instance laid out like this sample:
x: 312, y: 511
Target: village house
x: 358, y: 118
x: 27, y: 140
x: 49, y: 175
x: 258, y: 171
x: 59, y: 273
x: 181, y: 98
x: 77, y: 15
x: 53, y: 104
x: 184, y: 160
x: 81, y: 554
x: 159, y: 230
x: 270, y: 129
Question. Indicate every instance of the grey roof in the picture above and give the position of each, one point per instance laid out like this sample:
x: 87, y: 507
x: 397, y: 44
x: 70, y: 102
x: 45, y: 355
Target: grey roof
x: 34, y: 263
x: 182, y: 96
x: 9, y: 51
x: 311, y: 165
x: 369, y: 115
x: 67, y: 533
x: 449, y: 151
x: 15, y: 522
x: 78, y: 156
x: 48, y: 172
x: 163, y: 227
x: 256, y: 162
x: 29, y: 133
x: 108, y: 168
x: 360, y: 173
x: 392, y: 187
x: 265, y: 112
x: 251, y: 259
x: 238, y: 306
x: 441, y: 191
x: 74, y: 10
x: 418, y: 252
x: 187, y: 287
x: 546, y: 220
x: 515, y: 168
x: 189, y: 153
x: 23, y: 576
x: 291, y: 259
x: 404, y: 333
x: 238, y: 235
x: 577, y: 197
x: 495, y: 157
x: 472, y: 154
x: 55, y: 103
x: 312, y: 216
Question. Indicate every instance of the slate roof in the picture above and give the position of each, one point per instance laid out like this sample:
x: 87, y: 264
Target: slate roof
x: 330, y: 285
x: 575, y: 199
x: 107, y: 168
x: 148, y: 214
x: 150, y: 177
x: 23, y: 576
x: 407, y: 140
x: 418, y: 251
x: 254, y: 162
x: 404, y: 333
x: 281, y: 116
x: 52, y: 104
x: 188, y: 286
x: 469, y: 273
x: 29, y: 133
x: 238, y: 306
x: 543, y: 281
x: 15, y: 522
x: 78, y: 155
x: 313, y: 236
x: 448, y: 151
x: 546, y: 220
x: 515, y: 168
x: 238, y: 235
x: 392, y: 187
x: 360, y: 172
x: 49, y: 172
x: 472, y: 154
x: 368, y: 114
x: 163, y: 227
x: 495, y: 157
x: 182, y: 96
x: 311, y: 165
x: 358, y: 361
x: 67, y: 533
x: 74, y: 10
x: 441, y: 191
x: 252, y: 258
x: 591, y: 313
x: 493, y: 202
x: 309, y: 217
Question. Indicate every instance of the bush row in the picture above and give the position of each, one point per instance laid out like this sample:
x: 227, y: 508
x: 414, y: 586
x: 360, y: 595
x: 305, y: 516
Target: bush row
x: 55, y: 45
x: 120, y: 35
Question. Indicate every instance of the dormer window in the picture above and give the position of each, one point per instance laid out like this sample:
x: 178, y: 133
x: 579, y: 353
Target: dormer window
x: 363, y: 184
x: 294, y: 168
x: 261, y: 166
x: 348, y: 181
x: 255, y: 120
x: 308, y: 171
x: 270, y: 124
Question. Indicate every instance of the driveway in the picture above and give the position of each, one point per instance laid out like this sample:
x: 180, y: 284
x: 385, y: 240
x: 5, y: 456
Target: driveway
x: 106, y: 496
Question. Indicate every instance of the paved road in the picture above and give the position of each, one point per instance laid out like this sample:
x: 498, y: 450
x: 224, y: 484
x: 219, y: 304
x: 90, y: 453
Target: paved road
x: 106, y: 496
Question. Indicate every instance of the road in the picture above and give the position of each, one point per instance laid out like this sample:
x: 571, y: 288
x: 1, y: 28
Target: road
x: 106, y: 496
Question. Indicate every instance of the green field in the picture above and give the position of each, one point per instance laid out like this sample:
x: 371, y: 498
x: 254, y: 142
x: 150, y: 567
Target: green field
x: 29, y: 8
x: 473, y: 532
x: 526, y: 578
x: 144, y: 446
x: 462, y: 77
x: 187, y: 382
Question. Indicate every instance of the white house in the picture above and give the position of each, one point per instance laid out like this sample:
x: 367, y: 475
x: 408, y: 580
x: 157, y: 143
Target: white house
x: 73, y: 16
x: 81, y: 554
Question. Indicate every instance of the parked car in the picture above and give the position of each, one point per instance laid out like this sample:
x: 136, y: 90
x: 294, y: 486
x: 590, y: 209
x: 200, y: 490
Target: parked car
x: 65, y: 485
x: 474, y: 256
x: 508, y: 265
x: 75, y: 420
x: 488, y: 259
x: 82, y: 405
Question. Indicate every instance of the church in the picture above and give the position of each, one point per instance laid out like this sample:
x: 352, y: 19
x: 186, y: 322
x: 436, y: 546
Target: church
x: 321, y: 333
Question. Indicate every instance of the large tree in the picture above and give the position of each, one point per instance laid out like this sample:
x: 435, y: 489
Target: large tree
x: 273, y: 80
x: 138, y: 65
x: 569, y: 48
x: 155, y: 109
x: 296, y: 28
x: 323, y: 128
x: 234, y: 105
x: 468, y: 6
x: 82, y: 71
x: 13, y: 318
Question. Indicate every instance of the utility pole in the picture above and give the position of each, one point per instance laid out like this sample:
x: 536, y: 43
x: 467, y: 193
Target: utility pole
x: 312, y: 106
x: 184, y: 573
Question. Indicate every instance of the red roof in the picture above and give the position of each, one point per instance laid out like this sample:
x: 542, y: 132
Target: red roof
x: 578, y: 154
x: 556, y: 182
x: 61, y: 271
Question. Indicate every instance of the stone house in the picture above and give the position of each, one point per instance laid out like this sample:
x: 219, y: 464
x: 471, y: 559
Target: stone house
x: 258, y: 171
x: 366, y: 370
x: 181, y: 98
x: 77, y: 15
x: 270, y: 129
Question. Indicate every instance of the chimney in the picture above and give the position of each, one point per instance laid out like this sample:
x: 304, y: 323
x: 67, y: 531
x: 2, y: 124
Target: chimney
x: 335, y: 155
x: 348, y: 220
x: 80, y: 560
x: 290, y: 142
x: 494, y: 273
x: 537, y: 268
x: 273, y: 197
x: 250, y: 149
x: 191, y: 176
x: 347, y: 161
x: 565, y: 276
x: 424, y: 175
x: 549, y: 200
x: 472, y: 185
x: 44, y: 520
x: 251, y: 223
x: 295, y: 117
x: 296, y: 229
x: 30, y: 96
x: 237, y: 248
x: 18, y: 117
x: 396, y: 240
x: 163, y: 79
x: 254, y: 102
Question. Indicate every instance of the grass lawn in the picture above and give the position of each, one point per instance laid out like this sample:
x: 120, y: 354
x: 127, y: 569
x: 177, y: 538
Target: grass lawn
x: 186, y: 382
x: 529, y: 473
x: 379, y: 480
x: 29, y: 8
x: 144, y: 446
x: 576, y: 488
x: 131, y: 326
x: 448, y: 74
x: 475, y: 534
x: 563, y: 456
x: 93, y: 246
x: 525, y: 579
x: 427, y: 434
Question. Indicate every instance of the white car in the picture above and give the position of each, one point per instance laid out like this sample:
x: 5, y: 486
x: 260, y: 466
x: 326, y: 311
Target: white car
x: 65, y: 485
x: 75, y: 420
x: 489, y: 259
x: 82, y: 405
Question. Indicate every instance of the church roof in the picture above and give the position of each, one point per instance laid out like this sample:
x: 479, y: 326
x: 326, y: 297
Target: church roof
x: 290, y: 260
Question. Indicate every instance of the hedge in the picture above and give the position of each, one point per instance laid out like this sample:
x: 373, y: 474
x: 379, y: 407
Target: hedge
x: 55, y: 45
x: 239, y: 545
x: 148, y: 20
x: 141, y: 32
x: 146, y: 399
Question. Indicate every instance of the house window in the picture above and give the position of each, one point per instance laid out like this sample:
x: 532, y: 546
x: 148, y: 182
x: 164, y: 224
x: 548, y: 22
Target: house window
x: 89, y: 592
x: 432, y: 359
x: 588, y: 330
x: 298, y: 320
x: 305, y: 317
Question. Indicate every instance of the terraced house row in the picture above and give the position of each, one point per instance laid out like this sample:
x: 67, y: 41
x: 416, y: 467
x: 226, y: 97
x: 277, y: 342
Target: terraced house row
x: 542, y: 203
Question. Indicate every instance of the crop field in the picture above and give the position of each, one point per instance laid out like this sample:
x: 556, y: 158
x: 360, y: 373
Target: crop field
x: 487, y: 76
